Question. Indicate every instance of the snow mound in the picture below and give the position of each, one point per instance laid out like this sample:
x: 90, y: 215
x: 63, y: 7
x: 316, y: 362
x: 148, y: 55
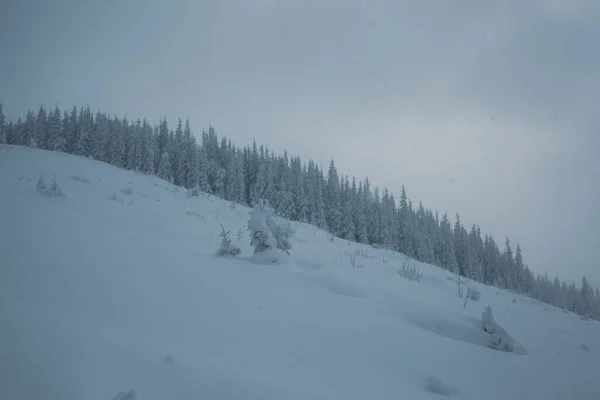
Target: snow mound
x: 499, y: 339
x: 456, y: 327
x: 271, y: 256
x: 433, y: 384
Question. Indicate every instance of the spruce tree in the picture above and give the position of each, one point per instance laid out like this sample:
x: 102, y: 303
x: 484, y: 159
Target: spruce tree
x: 41, y: 135
x: 54, y: 139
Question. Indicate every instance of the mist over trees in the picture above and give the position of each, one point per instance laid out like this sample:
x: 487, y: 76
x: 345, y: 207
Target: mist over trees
x: 298, y: 190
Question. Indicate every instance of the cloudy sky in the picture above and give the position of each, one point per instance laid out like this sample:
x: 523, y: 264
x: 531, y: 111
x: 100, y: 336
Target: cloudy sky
x: 488, y: 109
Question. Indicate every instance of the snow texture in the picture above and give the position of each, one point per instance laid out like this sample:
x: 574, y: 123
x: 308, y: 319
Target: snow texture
x: 94, y: 294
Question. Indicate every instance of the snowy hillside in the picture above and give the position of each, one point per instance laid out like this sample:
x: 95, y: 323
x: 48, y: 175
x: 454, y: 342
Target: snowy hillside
x: 116, y: 287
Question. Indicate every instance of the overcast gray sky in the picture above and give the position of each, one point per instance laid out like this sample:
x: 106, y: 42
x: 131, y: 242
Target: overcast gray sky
x: 486, y: 108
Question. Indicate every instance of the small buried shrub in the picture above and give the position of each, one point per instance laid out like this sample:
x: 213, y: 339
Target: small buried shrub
x: 410, y: 272
x: 226, y: 247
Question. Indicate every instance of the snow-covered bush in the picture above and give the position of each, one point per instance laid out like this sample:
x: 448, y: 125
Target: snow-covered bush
x: 41, y: 185
x: 128, y: 190
x: 194, y: 192
x: 53, y: 190
x: 195, y: 214
x: 500, y: 339
x: 353, y: 261
x: 473, y: 294
x: 226, y: 247
x: 56, y: 190
x: 81, y: 179
x: 410, y: 272
x: 116, y: 198
x: 267, y: 231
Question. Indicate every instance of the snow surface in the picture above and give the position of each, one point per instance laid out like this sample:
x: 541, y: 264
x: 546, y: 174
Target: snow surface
x: 115, y: 288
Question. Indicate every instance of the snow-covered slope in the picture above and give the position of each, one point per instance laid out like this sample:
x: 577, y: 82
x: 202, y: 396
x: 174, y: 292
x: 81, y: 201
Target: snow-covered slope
x: 116, y: 287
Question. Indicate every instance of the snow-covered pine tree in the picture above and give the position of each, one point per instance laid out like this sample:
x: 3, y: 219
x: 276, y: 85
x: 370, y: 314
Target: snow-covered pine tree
x: 226, y: 247
x: 41, y: 135
x: 520, y: 270
x: 230, y: 180
x: 300, y: 208
x: 191, y: 172
x: 29, y: 131
x: 332, y: 201
x: 83, y: 144
x: 164, y: 167
x: 148, y: 148
x: 347, y: 225
x: 507, y: 266
x: 587, y: 298
x: 240, y: 182
x: 447, y: 256
x: 388, y: 222
x: 284, y: 202
x: 405, y: 240
x: 219, y: 176
x: 162, y: 137
x: 320, y: 208
x: 461, y: 249
x: 475, y: 254
x: 360, y: 224
x: 266, y: 232
x: 71, y: 132
x: 179, y: 155
x: 54, y: 135
x: 203, y: 168
x: 11, y: 135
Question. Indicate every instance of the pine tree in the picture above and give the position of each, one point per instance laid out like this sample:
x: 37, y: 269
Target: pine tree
x: 11, y: 136
x: 405, y: 240
x: 148, y: 148
x: 203, y: 168
x: 284, y: 202
x: 461, y: 249
x: 41, y: 135
x: 164, y: 167
x: 232, y: 182
x: 191, y: 172
x: 520, y: 271
x: 54, y: 140
x: 347, y: 230
x: 320, y: 208
x: 179, y: 156
x: 360, y: 223
x: 29, y: 131
x: 446, y: 246
x: 72, y: 132
x: 300, y: 211
x: 587, y: 297
x: 507, y: 266
x: 85, y: 123
x: 332, y: 201
x: 134, y: 147
x: 162, y: 137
